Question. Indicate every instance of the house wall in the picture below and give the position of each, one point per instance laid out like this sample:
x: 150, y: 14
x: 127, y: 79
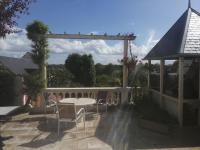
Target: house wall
x: 170, y: 104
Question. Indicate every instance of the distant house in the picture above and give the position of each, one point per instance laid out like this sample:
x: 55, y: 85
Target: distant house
x: 11, y: 85
x: 18, y: 66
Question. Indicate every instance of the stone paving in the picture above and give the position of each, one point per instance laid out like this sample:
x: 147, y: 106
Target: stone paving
x: 116, y: 130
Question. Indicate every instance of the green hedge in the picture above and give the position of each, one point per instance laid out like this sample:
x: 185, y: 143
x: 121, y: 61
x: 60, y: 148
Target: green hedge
x: 7, y: 95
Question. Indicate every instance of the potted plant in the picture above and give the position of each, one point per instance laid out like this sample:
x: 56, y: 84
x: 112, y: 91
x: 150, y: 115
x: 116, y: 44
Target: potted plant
x: 34, y: 87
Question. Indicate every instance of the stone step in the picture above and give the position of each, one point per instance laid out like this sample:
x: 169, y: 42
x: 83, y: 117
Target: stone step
x: 19, y: 132
x: 31, y: 137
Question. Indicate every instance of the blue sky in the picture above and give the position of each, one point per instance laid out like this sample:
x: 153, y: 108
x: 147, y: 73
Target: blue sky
x: 148, y: 19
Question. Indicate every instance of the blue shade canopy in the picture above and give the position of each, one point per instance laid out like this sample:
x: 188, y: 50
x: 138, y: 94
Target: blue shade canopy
x: 182, y: 39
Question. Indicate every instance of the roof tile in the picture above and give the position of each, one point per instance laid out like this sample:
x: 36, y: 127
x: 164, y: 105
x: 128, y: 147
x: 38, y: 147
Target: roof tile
x: 170, y: 45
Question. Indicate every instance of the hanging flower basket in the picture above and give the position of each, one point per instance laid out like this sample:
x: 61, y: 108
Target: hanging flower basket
x: 132, y: 64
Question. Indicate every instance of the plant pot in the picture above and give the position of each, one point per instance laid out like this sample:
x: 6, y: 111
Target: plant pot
x: 33, y: 103
x: 37, y: 101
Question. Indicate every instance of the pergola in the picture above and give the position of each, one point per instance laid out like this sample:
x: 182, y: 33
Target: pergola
x: 126, y: 38
x: 181, y: 42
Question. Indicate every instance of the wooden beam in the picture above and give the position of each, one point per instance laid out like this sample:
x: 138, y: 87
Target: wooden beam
x: 92, y: 37
x: 180, y: 91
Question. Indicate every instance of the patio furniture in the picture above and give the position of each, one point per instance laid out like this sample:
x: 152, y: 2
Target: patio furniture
x: 102, y: 100
x: 88, y: 104
x: 49, y: 105
x: 80, y: 103
x: 67, y: 112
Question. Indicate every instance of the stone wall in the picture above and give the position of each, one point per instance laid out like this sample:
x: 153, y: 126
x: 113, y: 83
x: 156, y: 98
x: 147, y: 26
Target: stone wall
x: 170, y: 104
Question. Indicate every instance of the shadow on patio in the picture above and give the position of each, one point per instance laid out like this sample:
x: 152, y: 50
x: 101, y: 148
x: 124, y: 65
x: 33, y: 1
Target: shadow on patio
x: 47, y: 135
x: 122, y: 131
x: 118, y: 129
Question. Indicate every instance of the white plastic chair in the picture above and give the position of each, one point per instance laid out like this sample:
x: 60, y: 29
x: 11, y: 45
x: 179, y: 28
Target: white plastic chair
x: 66, y: 112
x: 49, y: 105
x: 102, y: 100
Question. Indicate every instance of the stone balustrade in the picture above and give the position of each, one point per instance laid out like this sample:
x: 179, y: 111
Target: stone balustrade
x: 115, y: 94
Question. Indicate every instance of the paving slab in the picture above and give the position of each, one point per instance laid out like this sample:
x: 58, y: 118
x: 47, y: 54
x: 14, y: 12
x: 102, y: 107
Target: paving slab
x: 115, y: 130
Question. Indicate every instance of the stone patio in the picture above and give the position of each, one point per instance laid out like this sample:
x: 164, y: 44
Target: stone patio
x: 116, y: 130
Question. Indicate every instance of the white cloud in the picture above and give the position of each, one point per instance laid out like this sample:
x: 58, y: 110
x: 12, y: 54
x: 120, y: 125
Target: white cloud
x: 94, y: 32
x: 77, y: 46
x: 15, y: 45
x: 142, y: 50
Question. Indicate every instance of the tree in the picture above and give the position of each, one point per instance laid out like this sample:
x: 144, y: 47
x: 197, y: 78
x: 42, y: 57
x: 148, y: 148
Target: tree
x: 109, y: 69
x: 9, y: 11
x: 7, y: 92
x: 73, y: 63
x: 108, y: 75
x: 138, y: 77
x: 88, y: 70
x: 35, y: 81
x: 102, y: 80
x: 83, y: 69
x: 99, y: 68
x: 58, y: 76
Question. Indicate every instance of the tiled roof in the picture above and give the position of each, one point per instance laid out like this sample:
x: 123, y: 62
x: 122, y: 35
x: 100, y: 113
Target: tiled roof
x: 192, y: 44
x: 17, y: 65
x: 182, y: 39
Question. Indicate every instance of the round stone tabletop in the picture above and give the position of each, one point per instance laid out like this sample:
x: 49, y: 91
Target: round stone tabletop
x: 79, y: 101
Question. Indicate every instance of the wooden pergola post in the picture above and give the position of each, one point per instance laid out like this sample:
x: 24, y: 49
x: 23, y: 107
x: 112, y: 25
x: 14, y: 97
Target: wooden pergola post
x: 199, y: 78
x: 149, y: 73
x: 45, y: 70
x: 180, y: 91
x: 125, y: 73
x: 125, y: 69
x: 199, y: 93
x: 162, y: 62
x: 45, y: 76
